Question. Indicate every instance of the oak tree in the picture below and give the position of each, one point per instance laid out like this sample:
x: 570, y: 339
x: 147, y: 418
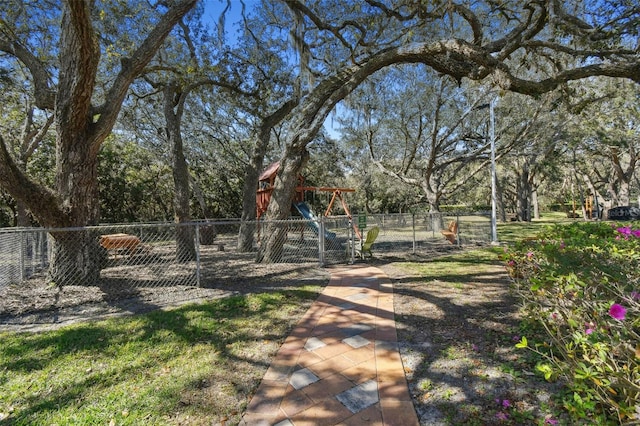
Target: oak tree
x: 487, y: 42
x: 85, y: 107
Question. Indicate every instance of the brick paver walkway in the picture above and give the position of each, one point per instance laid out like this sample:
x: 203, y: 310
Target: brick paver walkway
x: 340, y: 365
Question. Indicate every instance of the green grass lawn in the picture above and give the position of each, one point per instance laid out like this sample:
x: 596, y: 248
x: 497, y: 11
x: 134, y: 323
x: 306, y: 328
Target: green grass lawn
x: 510, y: 232
x: 196, y: 364
x: 458, y: 268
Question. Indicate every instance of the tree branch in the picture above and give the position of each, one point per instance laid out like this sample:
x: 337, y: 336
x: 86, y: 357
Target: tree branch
x: 33, y: 139
x: 508, y: 43
x: 629, y: 70
x: 43, y: 94
x: 599, y: 53
x: 20, y: 187
x: 472, y: 19
x: 321, y: 25
x: 456, y: 58
x: 133, y: 66
x: 187, y: 38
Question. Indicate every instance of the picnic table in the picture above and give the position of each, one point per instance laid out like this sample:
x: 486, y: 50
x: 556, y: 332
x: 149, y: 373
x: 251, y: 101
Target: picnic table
x: 120, y: 243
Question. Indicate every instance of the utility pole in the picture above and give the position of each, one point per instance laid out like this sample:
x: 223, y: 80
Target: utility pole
x: 492, y: 137
x: 492, y: 141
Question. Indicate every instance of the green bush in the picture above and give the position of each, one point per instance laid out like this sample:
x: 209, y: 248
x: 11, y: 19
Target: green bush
x: 580, y: 291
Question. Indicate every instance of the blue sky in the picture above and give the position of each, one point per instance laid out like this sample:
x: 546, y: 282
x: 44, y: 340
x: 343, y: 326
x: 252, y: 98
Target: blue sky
x: 213, y: 9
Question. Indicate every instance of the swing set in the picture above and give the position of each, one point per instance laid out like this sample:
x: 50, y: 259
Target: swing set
x: 265, y: 189
x: 590, y: 204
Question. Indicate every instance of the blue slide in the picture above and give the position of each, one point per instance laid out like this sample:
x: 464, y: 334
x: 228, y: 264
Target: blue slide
x: 305, y: 211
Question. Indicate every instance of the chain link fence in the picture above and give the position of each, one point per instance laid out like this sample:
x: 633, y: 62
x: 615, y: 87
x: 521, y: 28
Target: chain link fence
x: 176, y: 262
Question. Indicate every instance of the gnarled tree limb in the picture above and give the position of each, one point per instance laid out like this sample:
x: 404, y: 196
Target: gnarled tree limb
x: 36, y: 196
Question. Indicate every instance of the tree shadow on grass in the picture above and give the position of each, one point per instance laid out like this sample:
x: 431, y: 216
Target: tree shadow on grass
x: 233, y: 331
x: 457, y: 333
x: 133, y: 288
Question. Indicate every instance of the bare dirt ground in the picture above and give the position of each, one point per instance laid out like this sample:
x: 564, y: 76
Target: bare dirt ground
x: 36, y: 305
x: 457, y: 340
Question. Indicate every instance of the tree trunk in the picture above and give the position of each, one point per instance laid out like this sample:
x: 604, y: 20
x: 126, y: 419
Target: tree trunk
x: 77, y: 258
x: 433, y: 200
x: 248, y: 218
x: 623, y: 192
x: 22, y: 215
x: 185, y: 244
x: 252, y: 174
x: 523, y: 194
x: 535, y: 203
x: 77, y: 254
x: 620, y: 184
x: 501, y: 211
x: 294, y: 160
x: 208, y: 232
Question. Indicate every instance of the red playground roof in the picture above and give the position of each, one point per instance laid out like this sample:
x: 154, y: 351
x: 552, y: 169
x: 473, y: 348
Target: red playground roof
x: 270, y: 171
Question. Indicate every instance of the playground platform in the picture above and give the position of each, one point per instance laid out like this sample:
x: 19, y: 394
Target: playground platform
x: 341, y: 364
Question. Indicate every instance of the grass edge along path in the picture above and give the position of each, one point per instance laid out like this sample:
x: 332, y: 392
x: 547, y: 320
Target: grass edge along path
x: 195, y: 364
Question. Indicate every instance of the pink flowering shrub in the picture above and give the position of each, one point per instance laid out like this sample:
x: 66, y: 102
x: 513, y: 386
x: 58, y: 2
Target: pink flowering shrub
x: 579, y: 286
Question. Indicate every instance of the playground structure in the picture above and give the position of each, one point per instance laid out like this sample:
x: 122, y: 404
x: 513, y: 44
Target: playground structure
x: 591, y: 207
x: 265, y: 189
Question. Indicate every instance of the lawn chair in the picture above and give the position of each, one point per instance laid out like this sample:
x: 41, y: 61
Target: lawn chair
x: 451, y: 233
x: 372, y: 234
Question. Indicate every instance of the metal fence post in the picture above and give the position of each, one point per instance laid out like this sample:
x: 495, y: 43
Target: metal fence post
x: 22, y: 253
x: 413, y: 226
x: 351, y: 248
x: 321, y: 227
x: 197, y: 243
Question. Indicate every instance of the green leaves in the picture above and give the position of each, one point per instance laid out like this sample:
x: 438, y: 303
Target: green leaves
x: 546, y: 371
x: 571, y: 283
x: 523, y: 343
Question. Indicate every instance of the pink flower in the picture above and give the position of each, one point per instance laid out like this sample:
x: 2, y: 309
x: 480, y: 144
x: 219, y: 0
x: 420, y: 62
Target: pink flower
x: 590, y: 327
x: 617, y: 311
x: 636, y: 233
x: 502, y: 416
x: 635, y: 295
x: 624, y: 230
x: 562, y: 245
x: 551, y: 421
x: 529, y: 254
x: 504, y: 402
